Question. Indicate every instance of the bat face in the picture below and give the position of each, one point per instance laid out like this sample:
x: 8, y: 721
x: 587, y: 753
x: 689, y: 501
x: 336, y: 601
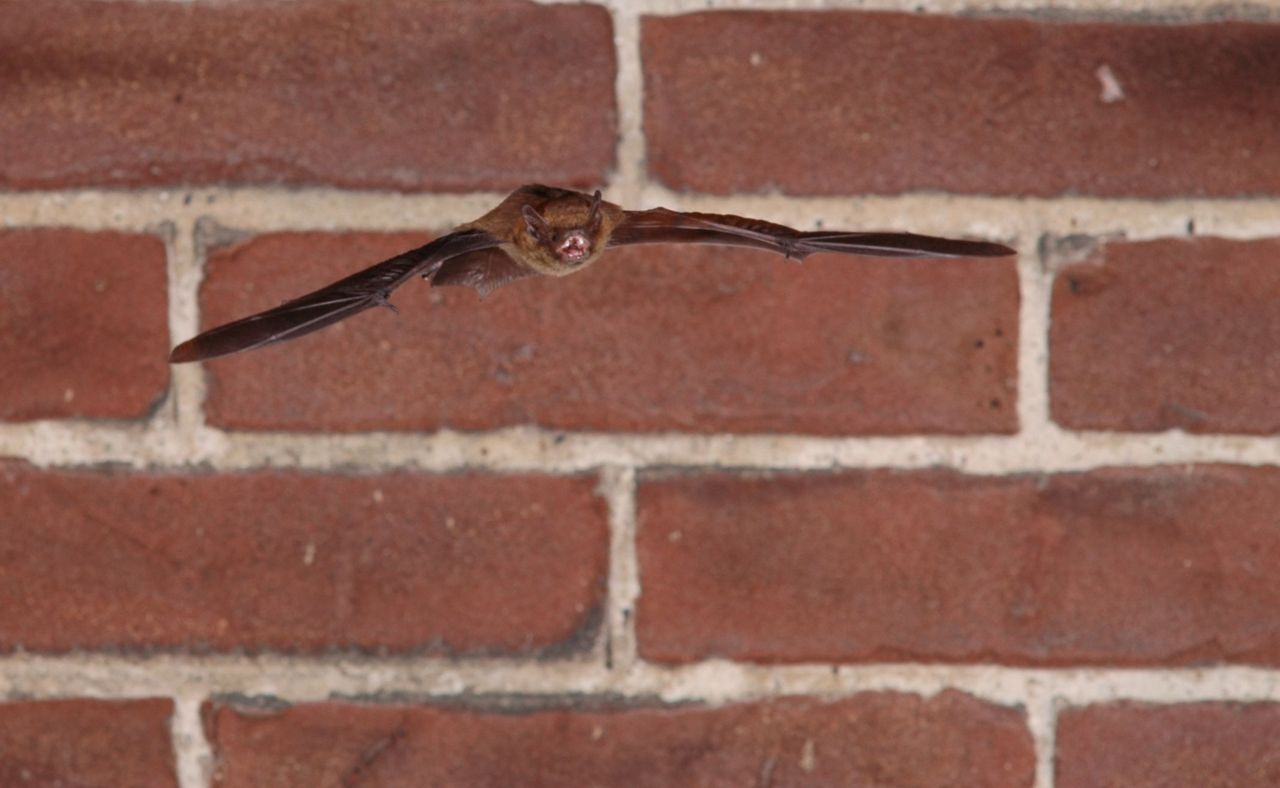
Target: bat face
x: 573, y: 246
x: 568, y: 233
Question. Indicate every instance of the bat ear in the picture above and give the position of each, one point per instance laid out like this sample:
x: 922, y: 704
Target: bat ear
x: 536, y: 225
x: 593, y: 219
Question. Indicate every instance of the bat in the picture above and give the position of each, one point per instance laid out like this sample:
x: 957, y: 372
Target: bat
x: 546, y: 231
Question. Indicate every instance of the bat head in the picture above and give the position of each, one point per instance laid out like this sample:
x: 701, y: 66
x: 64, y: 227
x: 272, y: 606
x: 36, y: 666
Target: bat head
x: 566, y: 235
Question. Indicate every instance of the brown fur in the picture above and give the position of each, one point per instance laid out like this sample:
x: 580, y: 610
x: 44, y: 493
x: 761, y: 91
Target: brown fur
x: 563, y: 210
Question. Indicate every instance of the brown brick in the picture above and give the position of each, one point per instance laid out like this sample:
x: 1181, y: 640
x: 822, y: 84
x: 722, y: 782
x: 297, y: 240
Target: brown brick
x: 873, y: 738
x: 1143, y: 745
x: 403, y: 94
x: 83, y: 324
x: 82, y: 742
x: 1120, y: 566
x: 299, y: 562
x: 683, y: 339
x: 848, y: 102
x: 1175, y: 333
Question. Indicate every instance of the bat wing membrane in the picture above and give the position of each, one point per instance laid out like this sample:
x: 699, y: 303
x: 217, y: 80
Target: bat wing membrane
x: 485, y: 271
x: 661, y: 225
x: 338, y: 301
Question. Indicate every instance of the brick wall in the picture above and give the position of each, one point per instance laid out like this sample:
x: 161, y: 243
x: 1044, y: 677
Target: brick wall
x: 696, y: 514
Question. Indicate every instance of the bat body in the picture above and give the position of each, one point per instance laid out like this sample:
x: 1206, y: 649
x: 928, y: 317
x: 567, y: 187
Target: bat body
x: 545, y: 231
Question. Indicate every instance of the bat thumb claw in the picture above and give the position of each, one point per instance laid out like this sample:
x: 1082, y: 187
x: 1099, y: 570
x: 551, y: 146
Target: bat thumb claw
x: 380, y: 299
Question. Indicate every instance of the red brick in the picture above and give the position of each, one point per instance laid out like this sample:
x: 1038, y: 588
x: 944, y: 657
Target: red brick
x: 299, y: 562
x: 848, y: 102
x: 83, y: 324
x: 1197, y: 745
x: 1175, y: 333
x: 1119, y: 566
x: 403, y: 94
x: 684, y: 339
x: 873, y: 738
x: 82, y: 742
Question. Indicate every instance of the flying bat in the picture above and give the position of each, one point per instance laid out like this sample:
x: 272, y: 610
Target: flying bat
x: 546, y: 231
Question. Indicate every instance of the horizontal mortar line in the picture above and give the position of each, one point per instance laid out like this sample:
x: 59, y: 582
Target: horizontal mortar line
x: 309, y: 679
x: 260, y: 209
x: 1252, y: 9
x: 1097, y: 9
x: 533, y: 449
x: 323, y: 209
x: 998, y: 216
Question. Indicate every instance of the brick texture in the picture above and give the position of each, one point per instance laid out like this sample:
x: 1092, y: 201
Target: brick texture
x: 405, y: 94
x: 1196, y: 745
x: 850, y: 102
x: 299, y: 562
x: 1122, y: 566
x: 683, y: 339
x: 880, y: 739
x: 86, y: 743
x: 1174, y: 333
x: 83, y: 324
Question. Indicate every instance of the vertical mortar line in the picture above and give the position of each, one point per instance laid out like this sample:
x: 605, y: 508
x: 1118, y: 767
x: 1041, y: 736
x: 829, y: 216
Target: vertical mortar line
x: 1042, y: 721
x: 629, y: 178
x: 193, y: 756
x: 619, y: 486
x: 186, y: 271
x: 1035, y: 429
x: 1035, y: 291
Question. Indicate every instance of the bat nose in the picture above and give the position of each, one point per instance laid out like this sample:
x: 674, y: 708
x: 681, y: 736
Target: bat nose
x: 574, y: 247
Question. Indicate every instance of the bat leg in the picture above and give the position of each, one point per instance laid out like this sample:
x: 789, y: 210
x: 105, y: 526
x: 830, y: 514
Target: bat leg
x: 791, y: 251
x: 380, y: 299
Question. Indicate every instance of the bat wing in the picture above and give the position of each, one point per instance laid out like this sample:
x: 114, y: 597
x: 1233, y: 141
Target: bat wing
x: 338, y: 301
x: 661, y: 225
x: 485, y: 270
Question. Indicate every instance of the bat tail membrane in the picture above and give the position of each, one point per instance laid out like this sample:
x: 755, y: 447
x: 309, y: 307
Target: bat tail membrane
x: 328, y: 305
x: 895, y: 245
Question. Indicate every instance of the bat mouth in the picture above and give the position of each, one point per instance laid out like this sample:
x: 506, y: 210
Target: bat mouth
x: 574, y: 248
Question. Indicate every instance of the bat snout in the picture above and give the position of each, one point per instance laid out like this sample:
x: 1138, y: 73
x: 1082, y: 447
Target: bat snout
x: 574, y: 247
